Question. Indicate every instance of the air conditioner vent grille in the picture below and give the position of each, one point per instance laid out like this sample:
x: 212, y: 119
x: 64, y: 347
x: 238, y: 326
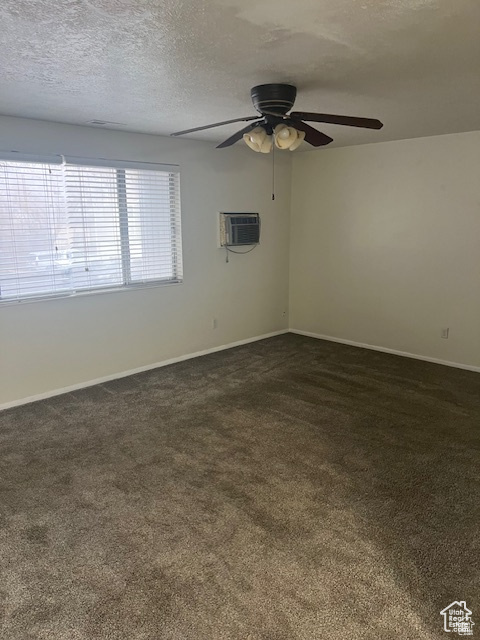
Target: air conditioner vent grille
x: 239, y: 229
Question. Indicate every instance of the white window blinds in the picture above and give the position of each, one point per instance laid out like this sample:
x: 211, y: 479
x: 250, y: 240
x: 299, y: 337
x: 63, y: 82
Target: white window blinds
x: 86, y: 225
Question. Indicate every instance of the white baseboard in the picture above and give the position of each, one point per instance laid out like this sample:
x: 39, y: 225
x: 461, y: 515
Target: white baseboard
x: 197, y: 354
x: 130, y: 372
x: 395, y: 352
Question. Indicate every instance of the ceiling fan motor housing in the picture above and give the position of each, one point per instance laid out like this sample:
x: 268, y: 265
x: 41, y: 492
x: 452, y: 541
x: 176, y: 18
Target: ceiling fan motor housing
x: 278, y: 98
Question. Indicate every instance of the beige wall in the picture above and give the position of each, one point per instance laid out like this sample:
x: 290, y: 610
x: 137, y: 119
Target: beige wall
x: 385, y: 245
x: 57, y: 343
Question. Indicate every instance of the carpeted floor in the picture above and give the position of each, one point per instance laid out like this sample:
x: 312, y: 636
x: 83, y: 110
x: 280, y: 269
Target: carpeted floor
x: 288, y: 489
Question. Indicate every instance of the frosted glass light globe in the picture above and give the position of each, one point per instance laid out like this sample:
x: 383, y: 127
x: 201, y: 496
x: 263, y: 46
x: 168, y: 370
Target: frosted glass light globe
x: 258, y: 140
x: 285, y: 136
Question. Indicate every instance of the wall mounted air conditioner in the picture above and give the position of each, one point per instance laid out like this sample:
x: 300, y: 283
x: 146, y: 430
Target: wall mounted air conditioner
x: 237, y: 229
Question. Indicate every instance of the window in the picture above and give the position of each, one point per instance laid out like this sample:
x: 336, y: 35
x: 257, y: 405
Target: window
x: 72, y: 226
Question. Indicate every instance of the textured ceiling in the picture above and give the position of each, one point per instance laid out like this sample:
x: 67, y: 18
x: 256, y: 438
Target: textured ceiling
x: 157, y: 66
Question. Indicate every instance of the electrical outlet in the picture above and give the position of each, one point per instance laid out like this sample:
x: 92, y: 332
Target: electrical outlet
x: 214, y: 323
x: 445, y: 333
x: 284, y: 313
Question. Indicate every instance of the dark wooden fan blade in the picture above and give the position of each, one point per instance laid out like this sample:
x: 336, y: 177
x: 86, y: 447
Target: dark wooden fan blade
x: 348, y: 121
x: 237, y: 136
x: 312, y: 136
x: 211, y: 126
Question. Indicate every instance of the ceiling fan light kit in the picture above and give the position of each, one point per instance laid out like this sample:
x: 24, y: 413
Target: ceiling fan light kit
x: 284, y: 138
x: 276, y: 125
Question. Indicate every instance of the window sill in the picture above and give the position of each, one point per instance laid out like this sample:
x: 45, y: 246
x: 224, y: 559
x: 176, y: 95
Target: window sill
x: 90, y: 292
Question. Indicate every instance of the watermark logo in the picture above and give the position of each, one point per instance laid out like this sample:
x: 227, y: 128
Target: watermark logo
x: 457, y: 619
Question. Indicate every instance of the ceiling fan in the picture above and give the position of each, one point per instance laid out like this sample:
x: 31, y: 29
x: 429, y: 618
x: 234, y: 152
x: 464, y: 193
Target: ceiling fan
x: 276, y: 125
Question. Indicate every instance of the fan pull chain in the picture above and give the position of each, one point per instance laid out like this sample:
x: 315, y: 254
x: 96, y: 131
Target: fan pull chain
x: 273, y: 172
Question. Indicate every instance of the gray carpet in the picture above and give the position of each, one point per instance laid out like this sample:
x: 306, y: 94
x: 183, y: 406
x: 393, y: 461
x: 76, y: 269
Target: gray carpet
x: 288, y: 489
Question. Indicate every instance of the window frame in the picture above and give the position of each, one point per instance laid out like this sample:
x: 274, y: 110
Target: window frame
x: 174, y: 197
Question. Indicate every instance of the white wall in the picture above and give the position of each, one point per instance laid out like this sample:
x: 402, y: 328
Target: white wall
x: 385, y: 245
x: 385, y: 250
x: 57, y: 343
